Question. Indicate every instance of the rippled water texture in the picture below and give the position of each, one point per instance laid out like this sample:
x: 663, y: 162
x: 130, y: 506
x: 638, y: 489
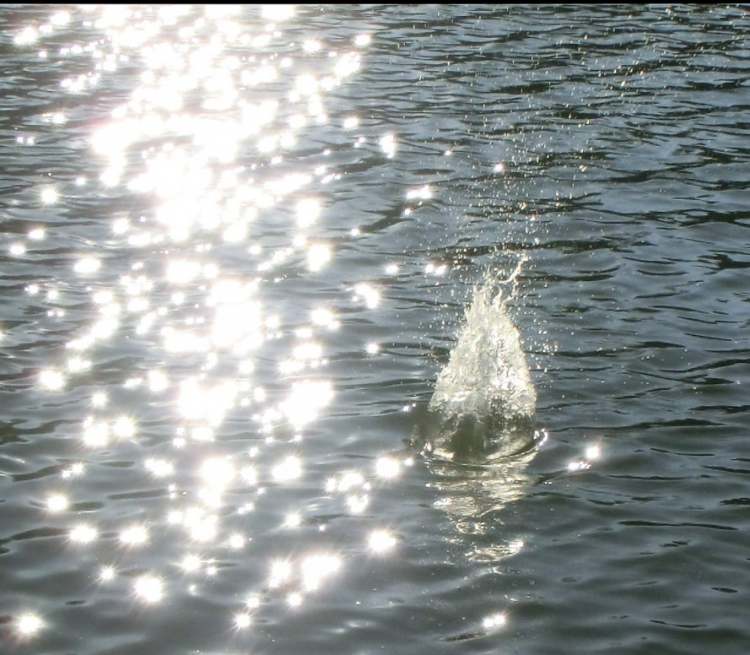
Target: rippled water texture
x: 238, y: 245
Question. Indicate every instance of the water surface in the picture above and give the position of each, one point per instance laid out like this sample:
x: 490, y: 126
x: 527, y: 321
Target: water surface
x: 237, y: 246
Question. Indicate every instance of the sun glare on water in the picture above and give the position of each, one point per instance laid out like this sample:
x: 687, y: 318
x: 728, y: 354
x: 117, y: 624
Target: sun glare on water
x: 224, y: 392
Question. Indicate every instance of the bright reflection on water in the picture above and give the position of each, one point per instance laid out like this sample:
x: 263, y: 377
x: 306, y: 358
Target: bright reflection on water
x: 202, y: 142
x: 57, y: 503
x: 204, y: 146
x: 28, y: 624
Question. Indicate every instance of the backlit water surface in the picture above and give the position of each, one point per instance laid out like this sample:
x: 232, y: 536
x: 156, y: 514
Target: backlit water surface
x: 237, y: 244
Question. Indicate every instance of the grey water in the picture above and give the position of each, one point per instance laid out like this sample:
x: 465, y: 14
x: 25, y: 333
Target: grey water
x: 246, y: 255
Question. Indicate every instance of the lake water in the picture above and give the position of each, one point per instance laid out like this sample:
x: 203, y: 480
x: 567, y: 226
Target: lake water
x: 237, y: 247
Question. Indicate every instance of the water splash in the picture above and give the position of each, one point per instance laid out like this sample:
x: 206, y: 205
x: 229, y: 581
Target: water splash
x: 484, y: 399
x: 478, y: 433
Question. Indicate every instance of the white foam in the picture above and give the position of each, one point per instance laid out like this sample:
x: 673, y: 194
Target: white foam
x: 486, y: 383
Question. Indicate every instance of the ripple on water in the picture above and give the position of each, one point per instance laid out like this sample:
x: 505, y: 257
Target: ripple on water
x: 237, y: 247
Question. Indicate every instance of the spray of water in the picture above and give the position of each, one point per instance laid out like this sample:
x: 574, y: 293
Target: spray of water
x: 478, y: 434
x: 484, y: 399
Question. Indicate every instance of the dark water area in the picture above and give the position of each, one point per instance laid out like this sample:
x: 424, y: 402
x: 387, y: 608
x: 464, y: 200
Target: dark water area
x: 225, y: 303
